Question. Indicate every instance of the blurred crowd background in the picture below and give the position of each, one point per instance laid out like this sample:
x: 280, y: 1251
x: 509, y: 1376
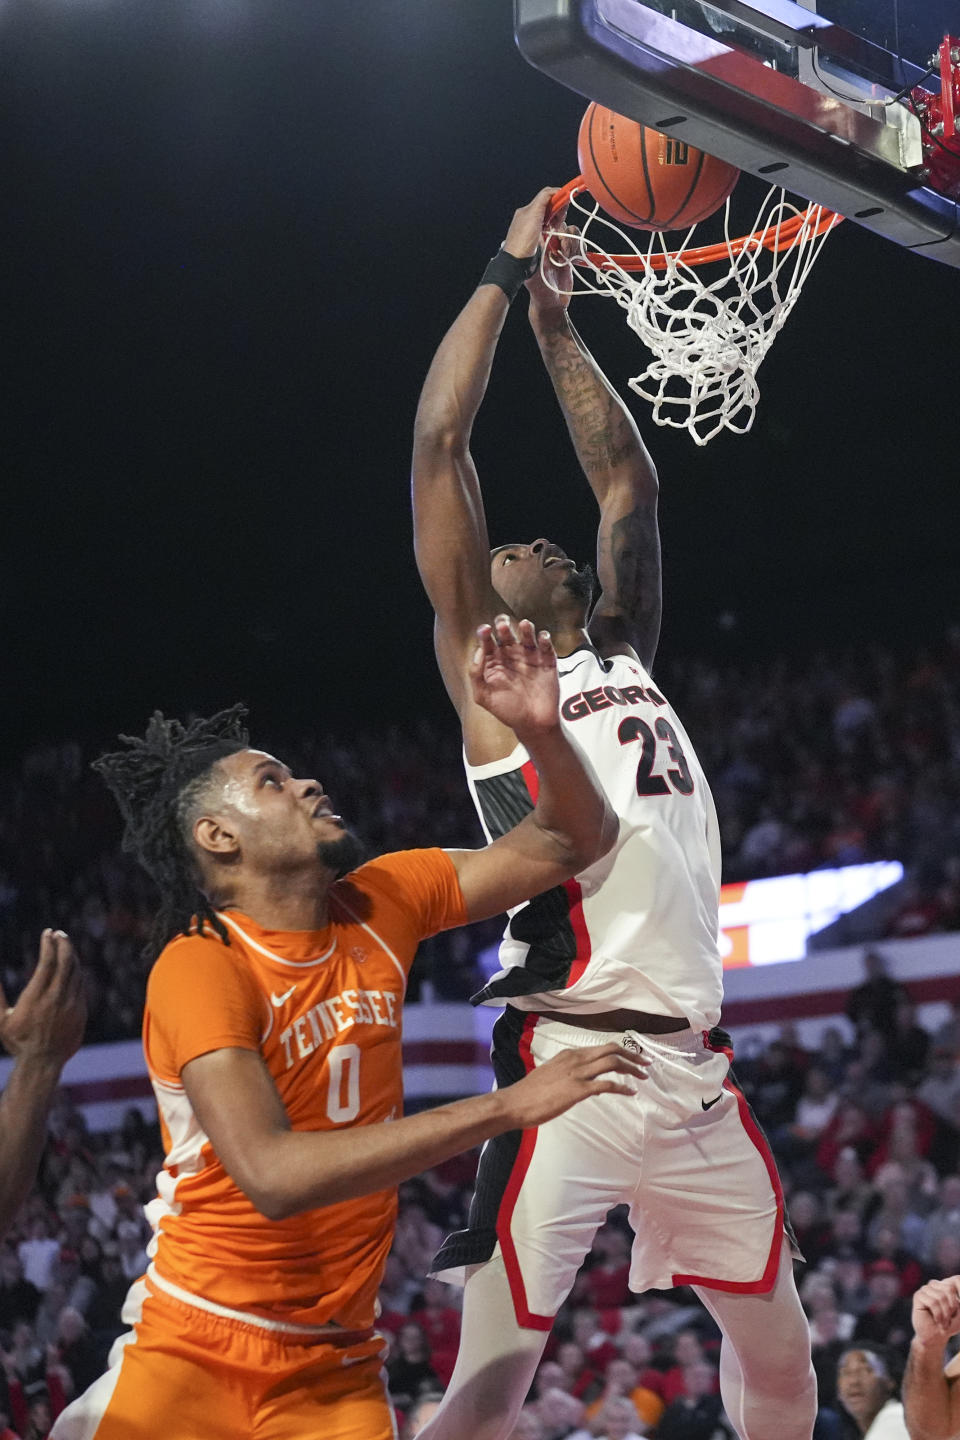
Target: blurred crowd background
x: 848, y: 757
x: 841, y: 759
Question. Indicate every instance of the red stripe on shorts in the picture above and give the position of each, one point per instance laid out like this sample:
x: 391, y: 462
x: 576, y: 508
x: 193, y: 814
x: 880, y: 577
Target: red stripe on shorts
x: 768, y: 1279
x: 525, y: 1316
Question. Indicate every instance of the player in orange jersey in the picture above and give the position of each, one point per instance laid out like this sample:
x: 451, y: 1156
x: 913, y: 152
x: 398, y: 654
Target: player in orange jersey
x: 272, y: 1035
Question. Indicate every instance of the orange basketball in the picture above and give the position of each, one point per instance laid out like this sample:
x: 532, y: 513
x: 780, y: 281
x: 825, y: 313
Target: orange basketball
x: 646, y: 179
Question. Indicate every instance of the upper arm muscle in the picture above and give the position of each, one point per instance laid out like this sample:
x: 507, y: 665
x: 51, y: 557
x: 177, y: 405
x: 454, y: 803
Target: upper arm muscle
x: 510, y: 870
x: 237, y: 1105
x: 450, y: 539
x: 628, y: 568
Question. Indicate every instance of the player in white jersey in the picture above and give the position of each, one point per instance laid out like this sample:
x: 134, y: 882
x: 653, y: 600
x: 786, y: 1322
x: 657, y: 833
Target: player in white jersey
x: 628, y: 949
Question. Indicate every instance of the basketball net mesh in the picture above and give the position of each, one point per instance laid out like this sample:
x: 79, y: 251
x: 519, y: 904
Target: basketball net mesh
x: 708, y: 336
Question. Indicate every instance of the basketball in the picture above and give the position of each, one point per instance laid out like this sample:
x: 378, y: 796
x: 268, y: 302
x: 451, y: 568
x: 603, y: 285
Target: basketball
x: 646, y: 179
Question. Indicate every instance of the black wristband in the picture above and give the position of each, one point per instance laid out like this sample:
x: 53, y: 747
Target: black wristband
x: 508, y: 272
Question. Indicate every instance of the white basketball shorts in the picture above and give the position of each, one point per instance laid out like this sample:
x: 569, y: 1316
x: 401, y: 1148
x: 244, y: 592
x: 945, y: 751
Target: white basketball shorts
x: 685, y: 1154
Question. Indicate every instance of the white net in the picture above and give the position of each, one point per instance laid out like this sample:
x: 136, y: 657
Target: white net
x: 708, y: 326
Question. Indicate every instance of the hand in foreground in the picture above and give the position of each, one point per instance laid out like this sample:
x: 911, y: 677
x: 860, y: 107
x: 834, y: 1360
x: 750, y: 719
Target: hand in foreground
x: 526, y: 227
x: 514, y: 676
x: 48, y: 1020
x: 936, y: 1311
x: 570, y: 1077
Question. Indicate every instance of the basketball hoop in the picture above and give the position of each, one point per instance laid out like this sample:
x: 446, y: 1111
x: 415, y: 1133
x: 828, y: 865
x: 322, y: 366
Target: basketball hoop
x: 708, y: 337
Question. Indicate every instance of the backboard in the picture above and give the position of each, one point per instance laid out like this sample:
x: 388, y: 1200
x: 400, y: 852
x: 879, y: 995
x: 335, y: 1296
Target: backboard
x: 838, y: 101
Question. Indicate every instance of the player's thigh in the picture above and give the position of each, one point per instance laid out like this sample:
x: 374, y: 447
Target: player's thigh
x: 157, y: 1376
x: 569, y: 1175
x: 348, y: 1401
x: 708, y: 1207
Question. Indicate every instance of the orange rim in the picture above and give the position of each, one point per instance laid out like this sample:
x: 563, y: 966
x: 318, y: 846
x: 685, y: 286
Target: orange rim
x: 777, y: 238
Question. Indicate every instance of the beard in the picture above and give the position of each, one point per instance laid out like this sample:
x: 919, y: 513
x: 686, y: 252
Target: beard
x: 342, y: 855
x: 583, y: 584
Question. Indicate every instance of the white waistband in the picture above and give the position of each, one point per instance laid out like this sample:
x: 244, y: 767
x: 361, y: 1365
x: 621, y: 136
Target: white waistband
x: 560, y: 1030
x: 212, y: 1308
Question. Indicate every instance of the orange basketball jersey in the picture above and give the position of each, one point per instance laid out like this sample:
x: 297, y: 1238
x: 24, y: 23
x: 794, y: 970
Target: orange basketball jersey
x: 323, y: 1008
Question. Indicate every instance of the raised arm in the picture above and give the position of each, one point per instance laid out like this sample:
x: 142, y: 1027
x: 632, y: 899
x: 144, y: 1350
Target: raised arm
x: 514, y: 678
x: 41, y: 1032
x: 450, y: 529
x: 931, y: 1395
x: 619, y: 471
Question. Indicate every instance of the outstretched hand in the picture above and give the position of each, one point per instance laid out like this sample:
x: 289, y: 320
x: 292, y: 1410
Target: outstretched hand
x: 936, y: 1311
x: 572, y: 1076
x: 513, y: 675
x: 48, y: 1020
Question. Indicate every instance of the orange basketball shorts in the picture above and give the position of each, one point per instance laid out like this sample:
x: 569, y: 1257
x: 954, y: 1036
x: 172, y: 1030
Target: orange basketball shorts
x: 188, y: 1375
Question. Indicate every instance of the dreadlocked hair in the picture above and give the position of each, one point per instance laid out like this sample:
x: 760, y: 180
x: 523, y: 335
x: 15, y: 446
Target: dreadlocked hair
x: 158, y: 782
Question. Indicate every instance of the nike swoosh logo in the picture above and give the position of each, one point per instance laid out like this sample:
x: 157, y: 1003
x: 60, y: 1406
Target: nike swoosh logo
x: 562, y: 673
x: 709, y: 1104
x: 278, y: 1000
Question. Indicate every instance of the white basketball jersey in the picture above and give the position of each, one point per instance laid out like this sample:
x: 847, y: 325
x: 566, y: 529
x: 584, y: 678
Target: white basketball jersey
x: 638, y: 930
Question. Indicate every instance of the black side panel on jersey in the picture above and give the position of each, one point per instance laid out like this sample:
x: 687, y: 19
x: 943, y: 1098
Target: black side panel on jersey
x: 544, y: 923
x: 476, y: 1244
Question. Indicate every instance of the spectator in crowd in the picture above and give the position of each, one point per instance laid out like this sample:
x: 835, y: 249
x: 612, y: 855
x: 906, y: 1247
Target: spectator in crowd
x: 774, y: 1086
x: 873, y: 1004
x: 946, y: 1258
x: 561, y: 1415
x: 850, y: 1129
x: 76, y: 1350
x: 622, y: 1380
x: 409, y: 1371
x: 696, y: 1414
x: 944, y: 1219
x: 939, y: 1089
x: 19, y: 1297
x: 607, y: 1281
x: 814, y: 1110
x: 885, y: 1245
x: 812, y: 1231
x: 886, y: 1320
x: 947, y: 1035
x: 911, y: 1043
x: 868, y: 1389
x: 440, y: 1323
x: 834, y: 1055
x: 618, y: 1421
x: 850, y: 1190
x: 38, y: 1252
x: 828, y: 1343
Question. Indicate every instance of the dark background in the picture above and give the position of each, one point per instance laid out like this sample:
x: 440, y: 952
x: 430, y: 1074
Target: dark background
x: 233, y: 232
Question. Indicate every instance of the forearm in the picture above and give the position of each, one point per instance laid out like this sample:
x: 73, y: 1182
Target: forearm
x: 928, y: 1396
x: 457, y: 379
x: 302, y: 1170
x: 572, y: 813
x: 24, y: 1107
x: 602, y: 430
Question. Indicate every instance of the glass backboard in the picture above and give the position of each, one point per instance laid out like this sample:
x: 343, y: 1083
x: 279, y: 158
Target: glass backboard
x: 820, y: 95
